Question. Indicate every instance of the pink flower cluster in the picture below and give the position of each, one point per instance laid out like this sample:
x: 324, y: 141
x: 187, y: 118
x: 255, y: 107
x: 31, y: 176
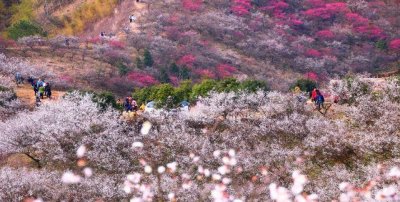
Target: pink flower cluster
x: 205, y: 73
x: 187, y: 60
x: 327, y: 11
x: 241, y: 7
x: 395, y: 45
x: 225, y: 70
x: 116, y: 44
x: 192, y: 5
x: 142, y: 78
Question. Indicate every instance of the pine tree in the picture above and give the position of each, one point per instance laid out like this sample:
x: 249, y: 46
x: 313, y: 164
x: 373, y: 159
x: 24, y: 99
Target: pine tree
x: 164, y: 78
x: 174, y: 69
x: 184, y: 73
x: 148, y: 59
x: 139, y: 63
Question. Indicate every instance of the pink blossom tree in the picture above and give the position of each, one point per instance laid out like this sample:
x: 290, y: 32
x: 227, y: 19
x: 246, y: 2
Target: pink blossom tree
x: 225, y: 70
x: 325, y: 34
x: 192, y: 5
x: 187, y: 60
x: 313, y: 53
x: 142, y: 79
x: 241, y: 7
x: 395, y: 45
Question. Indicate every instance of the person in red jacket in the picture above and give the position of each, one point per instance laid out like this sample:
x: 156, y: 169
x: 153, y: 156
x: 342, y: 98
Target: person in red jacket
x: 314, y: 94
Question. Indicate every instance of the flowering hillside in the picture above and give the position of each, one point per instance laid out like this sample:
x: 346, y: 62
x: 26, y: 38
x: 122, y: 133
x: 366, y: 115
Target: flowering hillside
x: 326, y: 37
x: 192, y: 39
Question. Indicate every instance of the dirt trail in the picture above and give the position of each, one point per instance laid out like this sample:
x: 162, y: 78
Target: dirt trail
x: 119, y: 20
x: 26, y: 95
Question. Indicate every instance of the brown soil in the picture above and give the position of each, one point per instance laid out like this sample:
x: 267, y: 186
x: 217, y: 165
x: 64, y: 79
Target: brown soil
x: 119, y: 20
x: 26, y: 95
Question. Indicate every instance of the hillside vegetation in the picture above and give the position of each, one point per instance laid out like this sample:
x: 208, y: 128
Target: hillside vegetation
x: 200, y: 100
x: 276, y: 41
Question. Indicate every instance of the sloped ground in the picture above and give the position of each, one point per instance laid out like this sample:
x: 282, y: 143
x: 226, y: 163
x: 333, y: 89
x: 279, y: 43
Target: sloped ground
x: 118, y: 21
x: 26, y: 95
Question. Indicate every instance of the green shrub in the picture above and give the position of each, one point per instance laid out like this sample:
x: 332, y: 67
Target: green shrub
x: 174, y: 69
x: 186, y: 91
x: 24, y: 28
x: 144, y: 95
x: 228, y: 85
x: 183, y: 91
x: 164, y: 77
x: 381, y: 44
x: 161, y: 96
x: 253, y: 85
x: 203, y: 88
x: 306, y: 85
x: 184, y: 73
x: 148, y: 59
x: 122, y: 68
x: 106, y: 99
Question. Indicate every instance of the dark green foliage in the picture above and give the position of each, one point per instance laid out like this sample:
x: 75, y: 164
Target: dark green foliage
x: 183, y: 91
x: 381, y: 44
x: 148, y: 59
x: 164, y: 77
x: 122, y: 68
x: 139, y: 63
x: 253, y: 85
x: 165, y: 95
x: 144, y: 95
x: 106, y: 99
x: 203, y: 88
x: 305, y: 85
x: 174, y: 69
x: 24, y: 28
x: 228, y: 85
x: 184, y: 73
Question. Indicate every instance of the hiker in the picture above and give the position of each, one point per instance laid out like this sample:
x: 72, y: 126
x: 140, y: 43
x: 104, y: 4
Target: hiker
x: 67, y: 42
x: 102, y: 34
x: 319, y: 100
x: 41, y: 91
x: 132, y: 18
x: 39, y: 83
x: 127, y: 104
x: 31, y: 80
x: 142, y: 107
x: 184, y: 105
x: 38, y: 102
x: 47, y: 90
x: 44, y: 85
x: 35, y: 88
x: 134, y: 105
x: 18, y: 78
x: 314, y: 95
x: 297, y: 90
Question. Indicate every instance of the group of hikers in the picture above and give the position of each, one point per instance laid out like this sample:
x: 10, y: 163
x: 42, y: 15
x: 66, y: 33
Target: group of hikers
x: 317, y: 97
x: 40, y: 87
x: 130, y: 104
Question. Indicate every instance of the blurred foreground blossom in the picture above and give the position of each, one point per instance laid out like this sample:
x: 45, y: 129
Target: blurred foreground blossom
x: 70, y: 178
x: 81, y: 151
x: 146, y: 128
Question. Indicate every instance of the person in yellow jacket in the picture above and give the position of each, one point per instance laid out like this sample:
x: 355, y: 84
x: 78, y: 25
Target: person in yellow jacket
x: 297, y: 90
x: 142, y: 107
